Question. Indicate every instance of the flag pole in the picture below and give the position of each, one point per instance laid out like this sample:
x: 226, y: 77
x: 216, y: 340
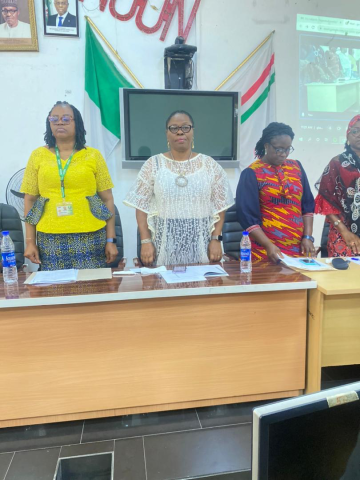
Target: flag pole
x: 245, y: 61
x: 113, y: 51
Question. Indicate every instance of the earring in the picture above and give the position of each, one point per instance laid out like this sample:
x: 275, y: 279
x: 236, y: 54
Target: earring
x: 265, y: 151
x: 347, y: 142
x: 193, y: 144
x: 168, y: 145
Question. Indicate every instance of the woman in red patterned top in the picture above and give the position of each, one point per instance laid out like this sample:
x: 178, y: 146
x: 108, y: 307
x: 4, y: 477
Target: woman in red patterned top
x: 273, y: 199
x: 339, y: 196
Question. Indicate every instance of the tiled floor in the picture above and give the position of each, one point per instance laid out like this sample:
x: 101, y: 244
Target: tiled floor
x: 213, y: 442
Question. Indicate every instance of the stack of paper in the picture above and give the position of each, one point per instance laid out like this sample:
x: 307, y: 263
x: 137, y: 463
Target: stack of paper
x: 148, y: 271
x: 198, y: 273
x: 55, y: 276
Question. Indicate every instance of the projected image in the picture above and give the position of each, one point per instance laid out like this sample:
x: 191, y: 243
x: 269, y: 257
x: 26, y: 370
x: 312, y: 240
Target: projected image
x: 329, y: 77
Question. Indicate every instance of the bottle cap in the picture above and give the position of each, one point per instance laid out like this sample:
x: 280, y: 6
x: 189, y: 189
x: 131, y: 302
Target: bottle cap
x: 245, y: 232
x: 5, y: 232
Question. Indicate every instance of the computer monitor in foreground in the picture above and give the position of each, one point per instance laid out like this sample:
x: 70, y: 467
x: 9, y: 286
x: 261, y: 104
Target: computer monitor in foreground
x: 312, y: 437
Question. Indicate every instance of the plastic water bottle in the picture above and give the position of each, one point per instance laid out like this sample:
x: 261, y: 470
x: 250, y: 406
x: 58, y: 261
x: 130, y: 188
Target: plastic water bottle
x: 245, y: 253
x: 8, y: 259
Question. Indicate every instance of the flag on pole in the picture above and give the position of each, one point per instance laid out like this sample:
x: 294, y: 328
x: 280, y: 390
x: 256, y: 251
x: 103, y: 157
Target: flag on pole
x: 102, y: 109
x: 255, y: 81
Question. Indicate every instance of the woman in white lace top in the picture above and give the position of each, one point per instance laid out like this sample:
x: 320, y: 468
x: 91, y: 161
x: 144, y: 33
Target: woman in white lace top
x: 180, y: 198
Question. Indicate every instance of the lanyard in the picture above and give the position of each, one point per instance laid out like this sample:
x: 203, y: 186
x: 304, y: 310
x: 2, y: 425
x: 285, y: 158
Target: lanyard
x: 62, y: 171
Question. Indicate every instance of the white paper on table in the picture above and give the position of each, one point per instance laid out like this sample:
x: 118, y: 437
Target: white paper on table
x: 207, y: 270
x: 124, y: 273
x: 148, y: 271
x: 305, y: 263
x: 181, y: 277
x: 53, y: 276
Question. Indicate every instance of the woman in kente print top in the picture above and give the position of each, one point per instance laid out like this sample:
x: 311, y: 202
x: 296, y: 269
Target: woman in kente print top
x: 273, y: 199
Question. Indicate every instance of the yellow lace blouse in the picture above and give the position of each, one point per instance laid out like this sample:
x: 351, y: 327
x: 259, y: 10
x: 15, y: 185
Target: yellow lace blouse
x: 87, y: 174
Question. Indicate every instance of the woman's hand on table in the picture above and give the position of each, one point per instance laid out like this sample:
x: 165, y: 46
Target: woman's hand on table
x: 111, y: 252
x: 32, y: 253
x: 147, y: 253
x: 273, y: 253
x: 215, y: 251
x: 307, y: 248
x: 352, y: 241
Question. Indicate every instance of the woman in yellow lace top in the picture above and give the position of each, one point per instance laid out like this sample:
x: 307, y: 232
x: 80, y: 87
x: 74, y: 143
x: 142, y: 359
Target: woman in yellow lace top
x: 69, y: 204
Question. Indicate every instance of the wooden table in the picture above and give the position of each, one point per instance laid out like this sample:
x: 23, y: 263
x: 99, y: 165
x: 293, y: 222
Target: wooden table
x: 136, y: 344
x: 333, y: 322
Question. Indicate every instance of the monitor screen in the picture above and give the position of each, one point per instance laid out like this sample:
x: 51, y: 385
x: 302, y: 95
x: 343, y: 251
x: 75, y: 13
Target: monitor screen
x: 329, y: 77
x: 145, y: 113
x: 309, y: 441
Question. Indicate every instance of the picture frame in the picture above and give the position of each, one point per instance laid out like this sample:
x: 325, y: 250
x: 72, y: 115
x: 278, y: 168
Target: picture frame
x: 61, y: 18
x: 18, y: 26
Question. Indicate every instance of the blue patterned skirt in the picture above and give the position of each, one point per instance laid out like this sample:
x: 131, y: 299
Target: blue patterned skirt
x: 72, y: 250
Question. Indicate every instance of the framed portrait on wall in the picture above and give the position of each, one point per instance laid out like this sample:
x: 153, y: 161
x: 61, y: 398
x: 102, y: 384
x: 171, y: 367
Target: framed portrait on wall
x: 61, y: 17
x: 18, y: 25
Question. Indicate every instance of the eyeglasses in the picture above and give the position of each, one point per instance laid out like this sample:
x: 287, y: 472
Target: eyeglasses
x: 355, y: 131
x: 60, y: 4
x: 183, y: 128
x: 64, y: 119
x: 5, y: 11
x: 281, y: 151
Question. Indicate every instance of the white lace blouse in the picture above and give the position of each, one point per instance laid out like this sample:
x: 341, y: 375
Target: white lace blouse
x: 181, y: 219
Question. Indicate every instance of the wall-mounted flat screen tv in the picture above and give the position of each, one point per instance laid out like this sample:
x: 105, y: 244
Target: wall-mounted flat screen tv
x: 144, y: 113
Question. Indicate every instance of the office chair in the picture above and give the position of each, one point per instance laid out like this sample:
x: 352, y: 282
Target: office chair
x: 232, y: 234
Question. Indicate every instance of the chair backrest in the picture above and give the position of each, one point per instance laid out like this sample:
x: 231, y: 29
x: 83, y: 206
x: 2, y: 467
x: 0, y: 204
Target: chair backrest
x: 10, y: 220
x: 324, y: 240
x: 119, y: 240
x: 232, y: 233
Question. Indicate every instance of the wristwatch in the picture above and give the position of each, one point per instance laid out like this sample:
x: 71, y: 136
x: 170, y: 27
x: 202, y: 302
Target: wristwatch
x: 111, y: 240
x: 216, y: 237
x: 309, y: 237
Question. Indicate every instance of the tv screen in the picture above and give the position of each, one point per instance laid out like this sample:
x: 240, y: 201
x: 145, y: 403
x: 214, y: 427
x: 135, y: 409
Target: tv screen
x: 313, y: 437
x: 144, y: 113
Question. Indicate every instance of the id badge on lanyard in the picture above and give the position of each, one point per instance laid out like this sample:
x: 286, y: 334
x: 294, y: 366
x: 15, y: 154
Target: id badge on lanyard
x: 65, y: 208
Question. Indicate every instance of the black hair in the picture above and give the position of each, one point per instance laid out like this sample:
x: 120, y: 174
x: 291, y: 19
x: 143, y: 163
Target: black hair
x: 80, y: 131
x: 274, y: 129
x: 348, y: 149
x: 182, y: 112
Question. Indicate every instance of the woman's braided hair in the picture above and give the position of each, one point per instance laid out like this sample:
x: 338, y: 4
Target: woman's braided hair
x: 274, y: 129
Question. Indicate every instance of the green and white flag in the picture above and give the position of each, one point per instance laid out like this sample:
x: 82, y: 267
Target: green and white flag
x: 255, y: 81
x: 102, y: 109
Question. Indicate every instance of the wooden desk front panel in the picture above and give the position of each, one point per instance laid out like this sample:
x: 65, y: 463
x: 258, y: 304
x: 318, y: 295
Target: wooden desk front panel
x: 62, y: 360
x: 341, y: 330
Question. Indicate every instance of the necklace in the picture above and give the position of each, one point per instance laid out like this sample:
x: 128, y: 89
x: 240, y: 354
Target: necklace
x: 181, y: 180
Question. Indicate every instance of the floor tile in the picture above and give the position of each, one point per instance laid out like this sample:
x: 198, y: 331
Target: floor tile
x: 350, y: 373
x: 138, y: 425
x: 87, y: 449
x: 245, y: 475
x: 129, y: 463
x: 88, y: 467
x: 198, y: 453
x: 228, y: 414
x: 5, y: 460
x: 34, y: 465
x: 40, y: 436
x: 326, y: 384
